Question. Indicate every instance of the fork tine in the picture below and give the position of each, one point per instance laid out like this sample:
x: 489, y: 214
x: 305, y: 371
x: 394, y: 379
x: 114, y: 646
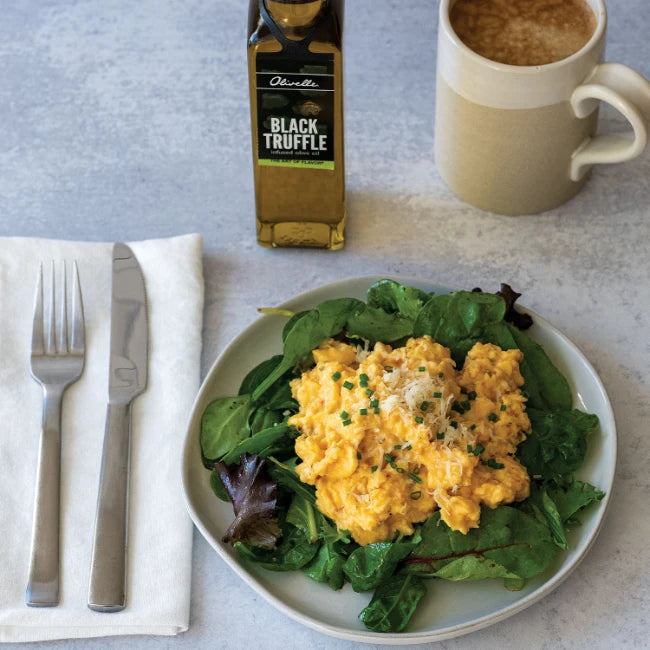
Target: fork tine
x: 63, y: 322
x: 37, y: 327
x: 78, y: 329
x: 50, y: 346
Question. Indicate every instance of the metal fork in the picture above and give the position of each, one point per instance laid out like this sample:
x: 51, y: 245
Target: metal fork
x: 57, y: 361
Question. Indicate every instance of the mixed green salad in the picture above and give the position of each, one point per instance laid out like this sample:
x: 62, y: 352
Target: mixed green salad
x: 248, y: 446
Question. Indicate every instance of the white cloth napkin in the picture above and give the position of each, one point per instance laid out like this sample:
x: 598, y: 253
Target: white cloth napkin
x: 160, y: 531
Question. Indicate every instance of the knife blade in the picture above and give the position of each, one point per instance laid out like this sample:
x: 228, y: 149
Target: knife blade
x: 127, y: 378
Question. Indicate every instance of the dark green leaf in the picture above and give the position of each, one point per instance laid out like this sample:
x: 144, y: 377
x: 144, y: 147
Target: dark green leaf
x: 508, y: 543
x: 217, y: 486
x: 540, y: 498
x: 370, y: 565
x: 393, y: 604
x: 303, y: 516
x: 327, y: 567
x: 574, y: 497
x: 293, y: 552
x: 307, y: 333
x: 395, y: 298
x: 374, y: 324
x: 255, y: 377
x: 224, y: 425
x: 257, y: 443
x: 553, y: 386
x: 558, y: 442
x: 285, y: 475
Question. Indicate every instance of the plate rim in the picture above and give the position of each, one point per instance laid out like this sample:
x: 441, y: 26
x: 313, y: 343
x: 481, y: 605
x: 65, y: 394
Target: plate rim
x: 398, y: 638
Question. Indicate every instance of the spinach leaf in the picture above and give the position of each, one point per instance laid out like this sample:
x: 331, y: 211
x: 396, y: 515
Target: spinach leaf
x: 327, y: 567
x: 393, y: 603
x: 374, y: 324
x: 459, y: 320
x: 540, y: 499
x: 302, y: 515
x: 307, y: 333
x: 217, y: 486
x: 293, y: 552
x: 553, y: 386
x: 558, y: 441
x: 509, y: 543
x: 571, y: 498
x: 224, y: 424
x: 285, y: 475
x: 257, y: 444
x: 263, y: 418
x: 395, y: 298
x: 255, y: 377
x: 370, y: 565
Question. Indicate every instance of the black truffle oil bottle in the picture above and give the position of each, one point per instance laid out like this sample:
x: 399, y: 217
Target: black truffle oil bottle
x: 295, y: 72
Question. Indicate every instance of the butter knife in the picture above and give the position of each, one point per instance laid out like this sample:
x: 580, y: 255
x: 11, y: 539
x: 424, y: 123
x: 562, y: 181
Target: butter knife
x: 127, y: 378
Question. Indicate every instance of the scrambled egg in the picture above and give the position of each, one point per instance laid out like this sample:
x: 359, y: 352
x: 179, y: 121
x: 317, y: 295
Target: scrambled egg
x: 390, y: 435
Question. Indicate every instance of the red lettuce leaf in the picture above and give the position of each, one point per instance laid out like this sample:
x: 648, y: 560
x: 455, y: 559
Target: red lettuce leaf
x: 253, y: 495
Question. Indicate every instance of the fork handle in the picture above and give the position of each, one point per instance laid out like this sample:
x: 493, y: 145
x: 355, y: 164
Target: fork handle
x: 107, y: 588
x: 43, y: 579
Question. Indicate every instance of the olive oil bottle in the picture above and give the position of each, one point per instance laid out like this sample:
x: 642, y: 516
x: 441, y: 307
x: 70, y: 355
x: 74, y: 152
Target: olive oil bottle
x: 296, y: 93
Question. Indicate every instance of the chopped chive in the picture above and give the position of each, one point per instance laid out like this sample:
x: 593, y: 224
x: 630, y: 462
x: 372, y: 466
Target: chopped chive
x: 397, y: 446
x: 389, y: 458
x: 399, y: 470
x: 419, y: 419
x: 493, y: 463
x: 472, y: 427
x: 374, y: 402
x: 416, y: 495
x: 347, y: 422
x: 503, y: 407
x: 456, y: 407
x: 441, y: 375
x: 422, y: 368
x: 454, y: 424
x: 344, y: 415
x: 336, y: 376
x: 492, y: 417
x: 408, y: 447
x: 479, y: 449
x: 415, y: 477
x: 469, y: 449
x: 471, y: 395
x: 374, y: 468
x: 466, y: 405
x: 376, y: 410
x: 440, y: 435
x: 369, y: 391
x: 437, y: 394
x: 348, y: 384
x: 363, y: 378
x: 363, y: 411
x: 358, y: 455
x: 416, y: 470
x: 424, y: 406
x: 388, y: 368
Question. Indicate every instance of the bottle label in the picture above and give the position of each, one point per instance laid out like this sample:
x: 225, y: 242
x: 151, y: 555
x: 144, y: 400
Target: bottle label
x: 295, y: 111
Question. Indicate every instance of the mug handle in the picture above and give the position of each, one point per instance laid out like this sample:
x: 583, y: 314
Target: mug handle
x: 628, y: 92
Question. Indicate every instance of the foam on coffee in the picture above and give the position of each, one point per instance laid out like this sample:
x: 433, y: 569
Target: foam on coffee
x: 523, y: 32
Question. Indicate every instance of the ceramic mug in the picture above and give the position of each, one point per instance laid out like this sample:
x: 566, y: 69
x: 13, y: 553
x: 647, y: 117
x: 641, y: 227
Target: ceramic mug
x: 520, y: 139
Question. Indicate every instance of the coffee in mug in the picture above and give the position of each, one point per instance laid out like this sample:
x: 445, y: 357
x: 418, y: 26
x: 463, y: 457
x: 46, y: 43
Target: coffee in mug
x: 523, y: 32
x: 520, y: 137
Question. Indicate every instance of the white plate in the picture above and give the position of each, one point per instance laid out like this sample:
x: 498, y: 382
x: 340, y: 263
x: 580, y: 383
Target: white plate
x: 449, y: 609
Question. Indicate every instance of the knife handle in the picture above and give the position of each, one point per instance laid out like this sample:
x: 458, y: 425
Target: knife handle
x: 107, y: 587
